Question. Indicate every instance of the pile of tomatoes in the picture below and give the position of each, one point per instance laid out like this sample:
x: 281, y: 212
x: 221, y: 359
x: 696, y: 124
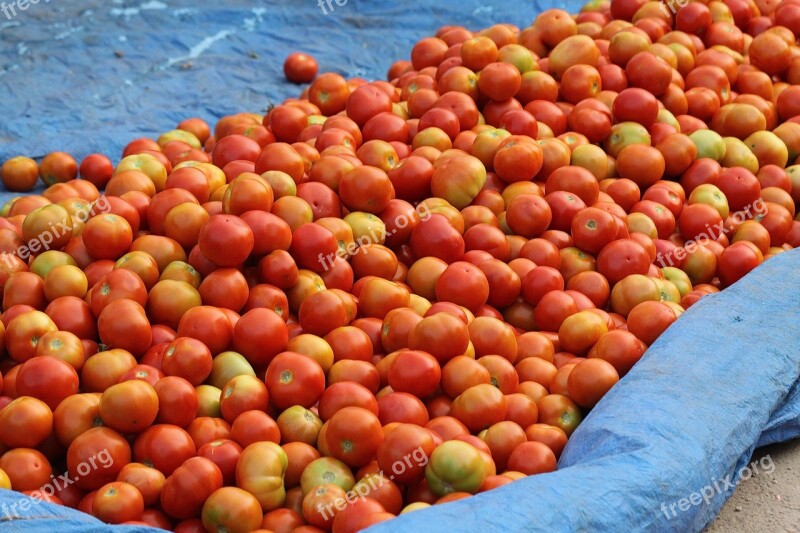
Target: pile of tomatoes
x: 386, y: 295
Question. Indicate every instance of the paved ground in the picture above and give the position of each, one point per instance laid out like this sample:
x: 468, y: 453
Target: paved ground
x: 766, y: 503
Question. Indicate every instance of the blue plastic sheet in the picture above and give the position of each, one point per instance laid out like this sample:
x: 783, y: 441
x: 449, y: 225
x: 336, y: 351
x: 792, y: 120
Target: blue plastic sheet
x: 28, y: 515
x: 91, y: 76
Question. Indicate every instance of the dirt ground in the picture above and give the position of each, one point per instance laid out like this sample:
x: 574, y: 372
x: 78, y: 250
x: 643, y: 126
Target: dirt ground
x: 766, y: 503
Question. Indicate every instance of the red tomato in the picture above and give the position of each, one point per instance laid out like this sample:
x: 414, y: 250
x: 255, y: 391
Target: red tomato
x: 124, y: 324
x: 300, y: 68
x: 187, y: 488
x: 164, y: 446
x: 294, y: 379
x: 226, y: 240
x: 354, y: 435
x: 48, y: 379
x: 118, y: 502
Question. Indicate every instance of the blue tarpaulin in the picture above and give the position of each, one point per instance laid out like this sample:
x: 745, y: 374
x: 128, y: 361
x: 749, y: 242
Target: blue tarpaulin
x: 90, y: 76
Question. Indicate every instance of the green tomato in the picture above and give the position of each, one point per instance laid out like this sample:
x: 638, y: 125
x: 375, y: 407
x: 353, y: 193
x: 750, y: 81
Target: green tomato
x: 709, y: 144
x: 678, y: 278
x: 326, y: 470
x: 455, y: 466
x: 228, y: 365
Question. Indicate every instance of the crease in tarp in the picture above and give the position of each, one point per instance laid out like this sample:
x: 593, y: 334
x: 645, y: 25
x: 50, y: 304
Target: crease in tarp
x: 705, y: 395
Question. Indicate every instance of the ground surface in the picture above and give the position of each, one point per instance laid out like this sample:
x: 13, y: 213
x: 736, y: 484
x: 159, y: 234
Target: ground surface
x: 766, y: 503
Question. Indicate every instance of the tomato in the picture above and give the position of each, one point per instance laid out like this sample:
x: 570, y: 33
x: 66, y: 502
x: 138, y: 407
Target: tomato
x: 294, y: 379
x: 405, y: 452
x: 25, y: 423
x: 254, y: 426
x: 96, y: 457
x: 118, y: 502
x: 532, y: 457
x: 24, y: 288
x: 123, y: 324
x: 554, y: 307
x: 319, y: 504
x: 360, y: 372
x: 117, y: 284
x: 636, y: 105
x: 503, y: 438
x: 147, y: 480
x: 260, y: 472
x: 455, y: 466
x: 490, y: 335
x: 464, y: 284
x: 576, y: 180
x: 366, y: 188
x: 350, y: 342
x: 75, y: 415
x: 19, y: 174
x: 106, y: 368
x: 383, y: 490
x: 65, y: 280
x: 25, y: 468
x: 187, y: 358
x: 240, y: 394
x: 129, y: 407
x: 737, y: 260
x: 539, y: 281
x: 579, y: 332
x: 621, y: 258
x: 231, y: 509
x: 479, y: 406
x: 169, y: 300
x: 521, y: 409
x: 402, y: 407
x: 222, y: 234
x: 300, y: 68
x: 164, y: 446
x: 322, y: 312
x: 590, y: 380
x: 740, y: 187
x: 620, y: 348
x: 187, y: 488
x: 234, y: 147
x: 107, y: 236
x: 278, y: 268
x: 345, y: 394
x: 560, y: 411
x: 442, y: 335
x: 365, y: 102
x: 311, y: 244
x: 415, y: 372
x: 354, y: 435
x: 226, y: 288
x: 209, y: 325
x: 23, y: 334
x: 58, y: 167
x: 282, y: 520
x: 48, y: 379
